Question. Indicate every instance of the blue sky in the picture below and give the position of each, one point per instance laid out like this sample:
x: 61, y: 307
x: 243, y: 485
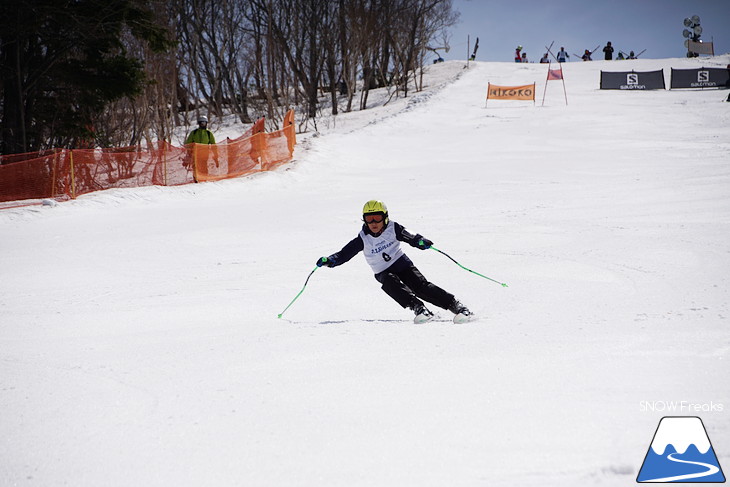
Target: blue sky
x: 654, y: 25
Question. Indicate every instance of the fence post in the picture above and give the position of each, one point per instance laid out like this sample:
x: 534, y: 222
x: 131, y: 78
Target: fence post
x: 195, y: 161
x: 259, y: 143
x: 290, y: 131
x: 73, y: 176
x: 53, y: 174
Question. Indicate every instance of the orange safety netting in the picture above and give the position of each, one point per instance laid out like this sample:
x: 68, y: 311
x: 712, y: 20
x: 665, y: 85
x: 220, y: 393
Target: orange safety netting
x: 62, y: 173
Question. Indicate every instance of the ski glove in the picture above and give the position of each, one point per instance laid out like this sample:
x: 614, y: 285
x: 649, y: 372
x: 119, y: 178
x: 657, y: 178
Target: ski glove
x: 326, y: 261
x: 423, y: 243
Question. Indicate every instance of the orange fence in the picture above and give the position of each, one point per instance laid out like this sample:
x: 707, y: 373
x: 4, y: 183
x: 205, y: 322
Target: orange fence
x: 62, y: 173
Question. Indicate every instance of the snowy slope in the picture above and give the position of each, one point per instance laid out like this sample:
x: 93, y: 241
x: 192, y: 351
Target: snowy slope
x: 139, y: 339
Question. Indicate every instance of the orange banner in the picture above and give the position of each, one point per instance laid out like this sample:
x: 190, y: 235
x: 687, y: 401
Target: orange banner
x: 525, y: 92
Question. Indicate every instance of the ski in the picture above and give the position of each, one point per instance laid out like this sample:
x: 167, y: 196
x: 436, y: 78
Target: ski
x: 551, y: 52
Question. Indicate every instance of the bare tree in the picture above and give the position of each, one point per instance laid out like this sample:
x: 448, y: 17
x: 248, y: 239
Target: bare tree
x: 244, y: 57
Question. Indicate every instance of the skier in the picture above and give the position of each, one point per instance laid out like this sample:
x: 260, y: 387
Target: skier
x: 608, y: 51
x: 201, y: 135
x: 587, y: 55
x: 562, y: 55
x: 380, y: 239
x: 518, y: 54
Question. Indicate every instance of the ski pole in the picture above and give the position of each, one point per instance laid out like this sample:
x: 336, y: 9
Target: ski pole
x: 465, y: 268
x: 300, y: 292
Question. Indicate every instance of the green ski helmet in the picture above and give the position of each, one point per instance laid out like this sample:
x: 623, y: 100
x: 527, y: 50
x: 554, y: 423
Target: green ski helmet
x: 375, y: 207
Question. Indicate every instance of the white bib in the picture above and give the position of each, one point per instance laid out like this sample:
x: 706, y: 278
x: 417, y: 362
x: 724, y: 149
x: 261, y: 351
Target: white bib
x: 381, y: 251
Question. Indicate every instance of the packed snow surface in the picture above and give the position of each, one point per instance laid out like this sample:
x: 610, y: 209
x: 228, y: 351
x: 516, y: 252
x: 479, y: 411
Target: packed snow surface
x: 140, y: 344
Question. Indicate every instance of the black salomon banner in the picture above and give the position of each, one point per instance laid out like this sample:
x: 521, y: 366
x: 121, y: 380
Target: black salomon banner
x: 700, y: 78
x: 632, y: 80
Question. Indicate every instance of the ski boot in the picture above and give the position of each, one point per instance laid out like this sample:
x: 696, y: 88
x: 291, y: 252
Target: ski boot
x: 422, y: 313
x: 461, y: 312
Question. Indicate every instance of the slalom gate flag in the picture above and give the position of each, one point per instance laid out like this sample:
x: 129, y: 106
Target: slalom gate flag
x: 524, y: 92
x: 555, y: 74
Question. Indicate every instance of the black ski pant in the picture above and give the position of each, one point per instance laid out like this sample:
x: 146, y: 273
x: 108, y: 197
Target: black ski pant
x: 403, y: 282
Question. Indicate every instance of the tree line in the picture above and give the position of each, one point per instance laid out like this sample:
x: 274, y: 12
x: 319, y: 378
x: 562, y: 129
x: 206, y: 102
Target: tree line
x: 111, y: 73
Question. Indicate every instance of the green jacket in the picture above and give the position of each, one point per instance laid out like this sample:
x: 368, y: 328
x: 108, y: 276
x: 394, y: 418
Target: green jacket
x: 200, y: 136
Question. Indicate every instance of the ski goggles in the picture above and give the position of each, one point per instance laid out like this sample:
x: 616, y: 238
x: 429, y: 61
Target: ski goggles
x: 373, y: 219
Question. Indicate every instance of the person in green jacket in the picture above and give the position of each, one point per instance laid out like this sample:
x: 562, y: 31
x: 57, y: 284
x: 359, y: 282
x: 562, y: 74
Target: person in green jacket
x: 201, y: 135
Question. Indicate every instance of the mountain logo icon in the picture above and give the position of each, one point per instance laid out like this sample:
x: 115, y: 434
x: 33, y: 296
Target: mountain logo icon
x: 680, y: 452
